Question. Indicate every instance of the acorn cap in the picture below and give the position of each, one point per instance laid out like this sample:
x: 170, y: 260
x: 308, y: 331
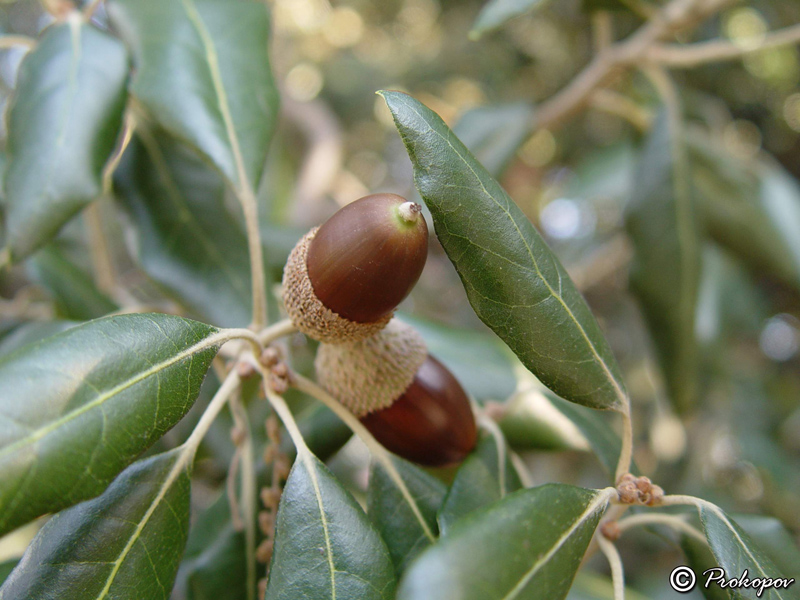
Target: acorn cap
x: 308, y: 313
x: 370, y: 374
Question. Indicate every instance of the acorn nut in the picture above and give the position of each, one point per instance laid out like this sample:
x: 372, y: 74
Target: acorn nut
x: 344, y: 279
x: 406, y: 398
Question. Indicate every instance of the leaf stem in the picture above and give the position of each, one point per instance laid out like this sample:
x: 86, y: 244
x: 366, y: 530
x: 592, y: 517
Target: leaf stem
x: 692, y: 55
x: 228, y: 387
x: 615, y: 562
x: 247, y: 493
x: 381, y: 455
x: 676, y: 522
x: 278, y: 330
x: 128, y: 128
x: 626, y: 450
x: 102, y: 263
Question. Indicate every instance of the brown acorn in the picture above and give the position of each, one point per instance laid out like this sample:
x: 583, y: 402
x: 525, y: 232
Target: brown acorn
x: 344, y: 279
x: 406, y: 398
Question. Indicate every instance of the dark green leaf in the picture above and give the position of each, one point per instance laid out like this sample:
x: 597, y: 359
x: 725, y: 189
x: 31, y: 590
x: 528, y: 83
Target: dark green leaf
x: 496, y: 12
x: 700, y: 559
x: 75, y: 294
x: 6, y: 567
x: 514, y: 282
x: 325, y: 546
x: 215, y: 562
x: 393, y: 517
x: 735, y: 551
x: 486, y: 476
x: 526, y: 546
x: 124, y: 544
x: 188, y: 242
x: 214, y: 565
x: 752, y: 210
x: 62, y: 127
x: 777, y: 543
x: 202, y: 71
x: 665, y: 274
x: 78, y: 407
x: 494, y: 133
x: 480, y: 362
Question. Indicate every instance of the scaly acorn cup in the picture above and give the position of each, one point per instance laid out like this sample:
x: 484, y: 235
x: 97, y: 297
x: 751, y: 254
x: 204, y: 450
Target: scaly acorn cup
x: 406, y: 398
x: 344, y: 279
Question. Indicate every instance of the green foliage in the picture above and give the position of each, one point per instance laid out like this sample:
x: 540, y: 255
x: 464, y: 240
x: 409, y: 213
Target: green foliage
x: 325, y: 545
x: 538, y: 534
x: 666, y: 273
x: 120, y: 383
x: 562, y: 186
x: 514, y: 282
x: 62, y: 127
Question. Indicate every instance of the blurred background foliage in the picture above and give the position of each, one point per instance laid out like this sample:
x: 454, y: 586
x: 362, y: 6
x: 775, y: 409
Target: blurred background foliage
x: 739, y: 444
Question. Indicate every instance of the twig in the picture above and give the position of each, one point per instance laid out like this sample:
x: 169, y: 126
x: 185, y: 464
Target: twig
x: 102, y: 263
x: 676, y: 522
x: 622, y: 106
x: 12, y: 41
x: 323, y: 160
x: 692, y: 55
x: 626, y: 450
x: 278, y: 330
x: 615, y: 562
x: 673, y: 17
x: 230, y: 385
x: 247, y: 492
x: 602, y: 30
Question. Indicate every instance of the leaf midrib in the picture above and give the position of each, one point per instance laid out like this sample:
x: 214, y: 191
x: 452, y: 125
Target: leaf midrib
x: 601, y: 498
x: 621, y: 397
x: 41, y: 432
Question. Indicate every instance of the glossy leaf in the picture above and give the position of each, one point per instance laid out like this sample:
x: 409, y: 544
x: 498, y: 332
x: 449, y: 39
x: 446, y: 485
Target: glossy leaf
x: 526, y: 546
x: 700, y: 558
x: 325, y: 546
x: 124, y: 544
x: 215, y: 561
x: 773, y: 538
x: 188, y: 242
x: 79, y: 407
x: 62, y: 127
x: 753, y: 210
x: 515, y: 284
x: 494, y: 133
x: 392, y: 516
x: 496, y: 12
x: 214, y: 564
x: 480, y: 362
x: 486, y: 476
x: 75, y: 294
x: 202, y: 71
x: 735, y: 551
x: 665, y: 274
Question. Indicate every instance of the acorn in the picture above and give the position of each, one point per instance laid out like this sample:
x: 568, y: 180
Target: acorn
x: 406, y: 398
x: 344, y: 279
